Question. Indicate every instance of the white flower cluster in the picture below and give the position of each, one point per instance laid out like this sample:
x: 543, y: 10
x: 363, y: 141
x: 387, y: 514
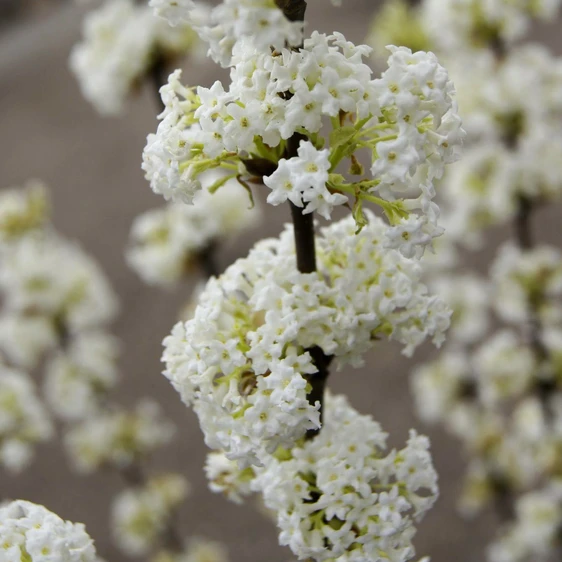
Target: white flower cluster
x: 23, y: 419
x: 32, y: 533
x: 498, y: 392
x: 121, y: 41
x: 165, y: 242
x: 242, y: 360
x: 406, y: 122
x: 342, y: 497
x: 453, y: 24
x: 514, y: 110
x: 227, y: 478
x: 521, y: 277
x: 22, y: 210
x: 535, y: 532
x: 78, y: 378
x: 259, y: 22
x: 140, y: 515
x: 118, y: 438
x: 45, y: 276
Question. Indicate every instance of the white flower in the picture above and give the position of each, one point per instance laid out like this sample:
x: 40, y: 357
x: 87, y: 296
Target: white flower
x: 30, y: 532
x: 227, y: 478
x: 47, y: 275
x: 140, y: 515
x: 175, y: 11
x: 23, y: 419
x: 469, y: 297
x: 165, y: 242
x: 302, y: 179
x: 406, y: 121
x: 523, y: 276
x: 118, y: 438
x: 439, y: 386
x: 22, y: 211
x: 340, y: 496
x: 455, y: 24
x: 504, y: 367
x: 533, y: 534
x: 242, y: 360
x: 118, y: 49
x: 26, y: 338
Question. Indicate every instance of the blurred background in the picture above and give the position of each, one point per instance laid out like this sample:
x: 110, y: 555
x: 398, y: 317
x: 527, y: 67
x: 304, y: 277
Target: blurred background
x: 92, y: 165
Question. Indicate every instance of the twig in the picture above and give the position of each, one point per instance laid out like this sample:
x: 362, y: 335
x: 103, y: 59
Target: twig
x: 294, y: 10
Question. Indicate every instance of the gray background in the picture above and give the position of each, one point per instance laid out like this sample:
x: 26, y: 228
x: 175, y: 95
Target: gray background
x: 92, y: 165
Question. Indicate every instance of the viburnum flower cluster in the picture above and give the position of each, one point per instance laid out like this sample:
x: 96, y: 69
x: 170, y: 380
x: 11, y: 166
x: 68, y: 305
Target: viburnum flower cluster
x: 32, y: 533
x: 57, y: 304
x: 122, y: 42
x: 341, y: 497
x: 509, y: 101
x: 243, y: 360
x: 167, y: 243
x: 405, y: 122
x: 305, y: 118
x: 496, y: 385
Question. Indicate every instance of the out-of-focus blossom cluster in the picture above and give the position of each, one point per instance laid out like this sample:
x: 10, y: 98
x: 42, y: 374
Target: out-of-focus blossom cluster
x: 140, y: 515
x: 243, y: 360
x: 122, y: 42
x: 168, y: 243
x: 497, y: 385
x: 341, y: 496
x: 245, y: 363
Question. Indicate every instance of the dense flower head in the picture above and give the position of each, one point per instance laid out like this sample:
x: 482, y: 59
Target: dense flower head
x: 32, y: 533
x: 24, y: 421
x: 243, y: 359
x: 121, y: 41
x: 165, y: 242
x: 77, y: 378
x: 140, y: 515
x: 405, y: 121
x: 342, y: 496
x: 118, y: 438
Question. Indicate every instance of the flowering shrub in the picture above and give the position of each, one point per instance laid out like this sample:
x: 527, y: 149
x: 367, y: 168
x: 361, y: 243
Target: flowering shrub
x: 303, y: 121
